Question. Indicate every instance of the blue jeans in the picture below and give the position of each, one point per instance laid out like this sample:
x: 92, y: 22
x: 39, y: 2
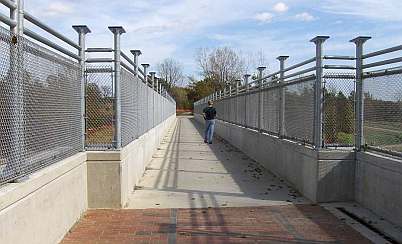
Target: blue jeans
x: 209, y: 130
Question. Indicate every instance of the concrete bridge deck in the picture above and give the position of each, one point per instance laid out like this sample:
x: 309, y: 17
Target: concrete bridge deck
x: 193, y: 192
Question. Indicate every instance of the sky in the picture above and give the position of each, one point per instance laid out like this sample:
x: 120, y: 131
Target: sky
x: 178, y: 28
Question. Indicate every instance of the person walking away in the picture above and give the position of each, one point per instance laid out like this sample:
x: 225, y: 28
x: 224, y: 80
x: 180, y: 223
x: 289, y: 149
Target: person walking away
x: 209, y: 114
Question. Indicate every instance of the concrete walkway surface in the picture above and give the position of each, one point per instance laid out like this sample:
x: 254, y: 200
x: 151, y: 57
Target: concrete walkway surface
x: 194, y: 192
x: 187, y: 173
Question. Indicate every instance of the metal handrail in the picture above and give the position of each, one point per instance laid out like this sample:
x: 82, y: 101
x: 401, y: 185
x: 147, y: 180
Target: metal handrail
x: 48, y: 29
x: 381, y: 63
x: 338, y: 57
x: 330, y: 66
x: 383, y: 51
x: 300, y: 64
x: 127, y: 59
x: 6, y: 20
x: 99, y: 50
x: 128, y: 68
x: 51, y: 44
x: 300, y: 72
x: 99, y: 60
x: 9, y: 4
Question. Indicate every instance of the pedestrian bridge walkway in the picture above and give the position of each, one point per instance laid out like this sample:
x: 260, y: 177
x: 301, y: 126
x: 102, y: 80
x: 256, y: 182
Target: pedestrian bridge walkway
x: 193, y: 192
x: 187, y: 173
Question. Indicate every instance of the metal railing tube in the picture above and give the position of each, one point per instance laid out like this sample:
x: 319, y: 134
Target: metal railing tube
x: 47, y: 28
x: 117, y: 31
x: 359, y: 101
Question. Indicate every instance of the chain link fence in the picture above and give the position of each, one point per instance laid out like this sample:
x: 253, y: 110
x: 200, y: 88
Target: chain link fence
x: 383, y: 112
x: 142, y: 108
x: 40, y: 121
x: 339, y: 111
x: 299, y: 111
x: 271, y: 108
x: 100, y: 102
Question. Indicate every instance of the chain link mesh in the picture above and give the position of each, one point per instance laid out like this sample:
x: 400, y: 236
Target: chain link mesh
x: 100, y: 98
x: 299, y: 111
x: 129, y: 107
x: 339, y: 113
x: 142, y: 108
x: 252, y: 110
x: 383, y: 112
x: 39, y: 107
x: 271, y: 108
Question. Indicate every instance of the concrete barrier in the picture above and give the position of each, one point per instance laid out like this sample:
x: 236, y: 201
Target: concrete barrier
x: 379, y: 185
x: 43, y: 208
x: 323, y: 176
x: 113, y: 175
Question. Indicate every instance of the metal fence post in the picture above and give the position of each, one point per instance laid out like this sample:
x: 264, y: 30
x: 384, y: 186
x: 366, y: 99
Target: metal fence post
x: 82, y: 30
x: 236, y: 99
x: 153, y: 97
x: 136, y: 54
x: 260, y: 98
x: 282, y: 121
x: 16, y: 69
x: 318, y: 93
x: 246, y: 79
x: 117, y: 31
x: 359, y: 100
x: 145, y: 67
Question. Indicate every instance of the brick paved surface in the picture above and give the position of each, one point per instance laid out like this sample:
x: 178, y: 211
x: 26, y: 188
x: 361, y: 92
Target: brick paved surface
x: 302, y: 223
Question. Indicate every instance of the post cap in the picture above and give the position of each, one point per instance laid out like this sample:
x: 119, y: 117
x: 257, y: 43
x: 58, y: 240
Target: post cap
x: 152, y: 72
x: 261, y: 68
x: 117, y: 29
x: 247, y: 75
x: 136, y: 52
x: 280, y: 58
x: 319, y: 39
x: 81, y: 29
x: 360, y: 39
x: 145, y: 65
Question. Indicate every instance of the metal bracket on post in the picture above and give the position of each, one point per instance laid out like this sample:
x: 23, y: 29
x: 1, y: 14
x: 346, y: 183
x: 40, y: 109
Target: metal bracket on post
x: 318, y: 93
x: 157, y: 85
x: 136, y: 54
x: 117, y: 31
x: 282, y: 121
x: 82, y: 30
x: 359, y: 100
x: 260, y: 98
x: 145, y: 66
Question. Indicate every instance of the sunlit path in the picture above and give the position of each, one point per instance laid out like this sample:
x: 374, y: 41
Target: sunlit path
x: 187, y: 173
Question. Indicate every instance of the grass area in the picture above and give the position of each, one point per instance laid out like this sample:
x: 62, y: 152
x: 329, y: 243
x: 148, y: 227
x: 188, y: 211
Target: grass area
x: 101, y: 135
x: 383, y: 137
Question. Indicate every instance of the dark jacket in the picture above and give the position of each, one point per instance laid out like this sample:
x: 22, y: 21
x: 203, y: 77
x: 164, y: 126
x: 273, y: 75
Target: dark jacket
x: 209, y: 113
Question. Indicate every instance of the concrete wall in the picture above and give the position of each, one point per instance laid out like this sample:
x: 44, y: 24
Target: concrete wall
x: 45, y: 206
x: 113, y: 175
x: 323, y: 176
x: 379, y: 185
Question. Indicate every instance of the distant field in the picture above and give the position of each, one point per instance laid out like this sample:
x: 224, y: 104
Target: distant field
x: 101, y: 135
x: 387, y: 135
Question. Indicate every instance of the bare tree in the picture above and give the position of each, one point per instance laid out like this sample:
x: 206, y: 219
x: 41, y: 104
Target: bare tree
x: 223, y: 65
x: 171, y: 71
